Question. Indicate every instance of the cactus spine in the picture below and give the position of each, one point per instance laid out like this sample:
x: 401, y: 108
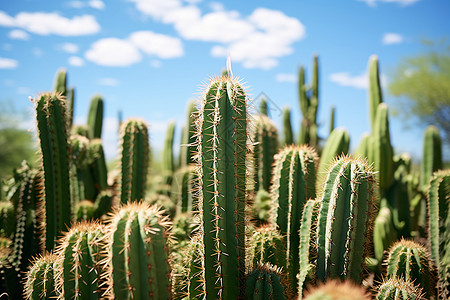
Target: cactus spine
x: 293, y: 184
x: 345, y: 219
x: 51, y: 115
x: 135, y: 159
x: 266, y: 283
x: 95, y: 117
x: 267, y: 246
x: 42, y: 277
x: 411, y: 261
x: 139, y: 236
x: 336, y: 290
x: 287, y: 127
x: 398, y: 289
x: 265, y: 138
x: 222, y: 147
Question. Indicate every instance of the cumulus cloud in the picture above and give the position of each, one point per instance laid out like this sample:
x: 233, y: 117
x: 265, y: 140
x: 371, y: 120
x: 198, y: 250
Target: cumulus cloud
x: 8, y: 63
x: 400, y: 2
x: 76, y: 61
x: 69, y: 48
x: 392, y: 38
x: 51, y: 23
x: 108, y: 81
x: 18, y: 34
x: 359, y: 81
x: 257, y: 41
x: 97, y: 4
x: 160, y: 45
x: 283, y: 77
x: 113, y: 52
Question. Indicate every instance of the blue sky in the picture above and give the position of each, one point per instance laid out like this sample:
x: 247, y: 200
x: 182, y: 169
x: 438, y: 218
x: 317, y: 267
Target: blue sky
x: 148, y: 58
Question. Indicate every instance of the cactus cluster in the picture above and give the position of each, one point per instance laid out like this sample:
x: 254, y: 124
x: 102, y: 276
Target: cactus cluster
x: 240, y: 214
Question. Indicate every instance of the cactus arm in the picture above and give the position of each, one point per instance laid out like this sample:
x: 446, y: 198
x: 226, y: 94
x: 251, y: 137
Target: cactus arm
x: 375, y: 95
x: 95, y: 117
x: 287, y: 127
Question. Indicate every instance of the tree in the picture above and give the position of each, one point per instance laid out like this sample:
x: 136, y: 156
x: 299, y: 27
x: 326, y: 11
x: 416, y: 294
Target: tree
x: 16, y: 144
x: 425, y: 82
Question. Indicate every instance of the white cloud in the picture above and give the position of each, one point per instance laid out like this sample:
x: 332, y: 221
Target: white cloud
x: 359, y: 81
x: 400, y: 2
x: 113, y: 52
x: 18, y: 34
x: 97, y: 4
x: 76, y: 61
x: 69, y: 48
x: 392, y: 38
x: 108, y: 81
x: 8, y: 63
x: 51, y: 23
x: 216, y: 6
x: 160, y: 45
x: 257, y: 41
x: 283, y: 77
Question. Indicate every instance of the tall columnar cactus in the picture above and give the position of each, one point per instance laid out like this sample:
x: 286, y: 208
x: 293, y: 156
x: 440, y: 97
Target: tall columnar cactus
x: 135, y: 159
x: 41, y: 279
x: 222, y: 156
x: 380, y: 149
x: 345, y: 220
x: 139, y: 236
x: 363, y: 147
x: 384, y: 233
x: 438, y: 224
x: 185, y: 188
x: 97, y: 166
x: 337, y: 144
x: 411, y: 261
x: 308, y: 241
x: 51, y: 115
x: 432, y: 154
x: 263, y: 107
x: 266, y: 245
x: 168, y: 164
x: 309, y: 105
x: 265, y: 139
x: 375, y: 94
x: 7, y: 219
x: 84, y: 271
x: 287, y: 127
x: 95, y: 117
x: 294, y: 178
x: 71, y: 104
x: 336, y: 290
x: 266, y: 282
x: 61, y: 82
x: 187, y: 151
x: 399, y: 289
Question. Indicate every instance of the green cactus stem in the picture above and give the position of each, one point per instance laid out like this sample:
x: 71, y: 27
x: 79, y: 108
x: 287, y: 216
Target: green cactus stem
x: 135, y: 159
x: 337, y: 290
x: 51, y: 115
x: 61, y: 82
x: 266, y: 282
x: 432, y: 154
x: 375, y: 94
x: 384, y: 233
x: 42, y: 276
x: 294, y: 178
x: 287, y: 127
x: 103, y: 204
x: 140, y: 267
x: 7, y: 219
x: 411, y: 261
x: 267, y: 246
x: 222, y: 139
x: 332, y: 122
x: 265, y: 139
x: 97, y: 166
x: 185, y: 188
x: 345, y: 219
x: 363, y: 147
x: 399, y: 289
x: 168, y: 164
x: 187, y: 151
x: 95, y: 117
x: 71, y: 104
x: 263, y: 108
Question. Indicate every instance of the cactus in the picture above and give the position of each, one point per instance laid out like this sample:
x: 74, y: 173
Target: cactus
x: 95, y: 117
x: 287, y: 128
x: 71, y: 101
x: 380, y: 149
x: 103, y: 204
x: 7, y: 218
x: 84, y: 210
x: 84, y: 271
x: 168, y: 164
x: 51, y: 115
x: 139, y: 236
x: 61, y: 82
x: 98, y: 165
x: 363, y: 147
x: 294, y: 178
x: 222, y: 163
x: 336, y: 290
x: 262, y: 208
x: 438, y: 225
x: 263, y: 108
x: 432, y: 154
x: 265, y: 139
x: 337, y: 144
x: 345, y: 220
x: 411, y: 261
x: 135, y: 159
x: 398, y: 289
x: 375, y: 95
x: 267, y: 246
x: 266, y: 282
x: 307, y: 248
x: 332, y: 113
x: 187, y: 151
x: 184, y: 188
x: 384, y: 233
x: 42, y: 276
